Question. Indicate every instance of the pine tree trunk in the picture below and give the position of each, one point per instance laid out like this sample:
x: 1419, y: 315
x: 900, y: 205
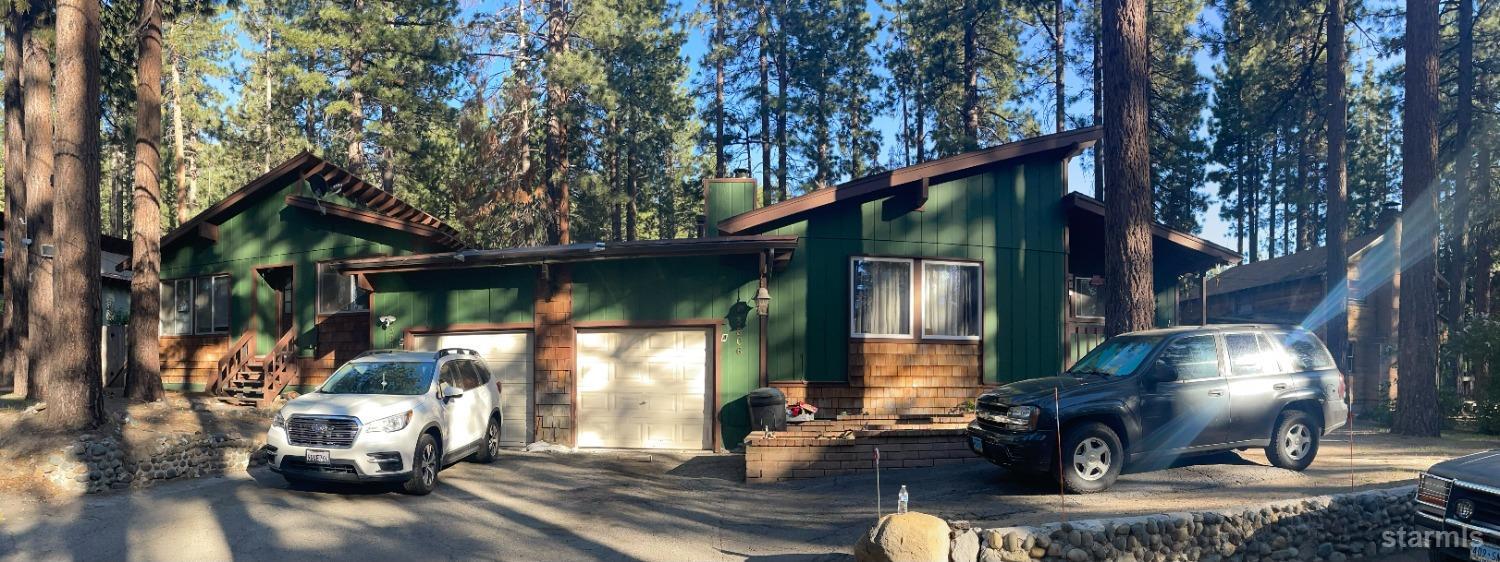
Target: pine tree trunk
x: 1337, y: 265
x: 268, y: 151
x: 40, y: 349
x: 73, y: 386
x: 783, y: 76
x: 970, y: 109
x: 1059, y: 60
x: 1484, y: 258
x: 144, y: 379
x: 1417, y: 399
x: 1458, y: 245
x: 1129, y: 302
x: 1271, y: 182
x: 354, y: 152
x: 1304, y: 203
x: 1098, y: 68
x: 556, y: 148
x: 179, y: 158
x: 716, y: 50
x: 13, y: 368
x: 763, y: 31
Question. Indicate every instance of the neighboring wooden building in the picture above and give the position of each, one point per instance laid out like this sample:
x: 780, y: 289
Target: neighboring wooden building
x: 1291, y: 290
x: 908, y: 291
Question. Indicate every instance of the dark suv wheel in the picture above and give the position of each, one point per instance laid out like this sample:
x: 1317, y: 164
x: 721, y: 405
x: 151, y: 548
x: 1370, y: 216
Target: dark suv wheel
x: 1294, y: 443
x: 1091, y: 458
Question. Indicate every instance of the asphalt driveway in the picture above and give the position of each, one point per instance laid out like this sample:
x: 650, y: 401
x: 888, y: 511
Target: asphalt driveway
x: 634, y: 506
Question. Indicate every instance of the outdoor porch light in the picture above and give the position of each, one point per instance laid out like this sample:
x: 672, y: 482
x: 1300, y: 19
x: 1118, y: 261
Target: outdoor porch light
x: 762, y: 301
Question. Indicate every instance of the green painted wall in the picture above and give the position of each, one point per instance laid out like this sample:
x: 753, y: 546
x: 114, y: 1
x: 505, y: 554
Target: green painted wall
x: 726, y: 197
x: 721, y: 289
x: 267, y: 232
x: 1010, y: 218
x: 441, y: 299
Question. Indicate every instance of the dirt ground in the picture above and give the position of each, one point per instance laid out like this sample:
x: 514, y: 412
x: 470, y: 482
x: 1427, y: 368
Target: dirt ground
x: 26, y: 438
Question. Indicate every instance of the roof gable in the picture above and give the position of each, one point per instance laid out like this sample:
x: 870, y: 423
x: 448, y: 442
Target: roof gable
x: 887, y: 183
x: 339, y: 182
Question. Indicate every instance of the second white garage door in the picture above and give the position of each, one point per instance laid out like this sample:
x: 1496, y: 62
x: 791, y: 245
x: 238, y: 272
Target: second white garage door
x: 643, y: 389
x: 508, y: 357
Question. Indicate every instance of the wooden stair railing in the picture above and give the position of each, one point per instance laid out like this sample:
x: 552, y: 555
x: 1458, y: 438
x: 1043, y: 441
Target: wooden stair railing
x: 234, y: 360
x: 280, y: 367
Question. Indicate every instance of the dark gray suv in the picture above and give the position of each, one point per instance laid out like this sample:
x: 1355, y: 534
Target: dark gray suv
x: 1147, y: 398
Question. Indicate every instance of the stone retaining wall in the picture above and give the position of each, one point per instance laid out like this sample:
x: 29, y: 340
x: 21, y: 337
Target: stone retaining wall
x: 790, y: 458
x: 1326, y: 528
x: 99, y: 463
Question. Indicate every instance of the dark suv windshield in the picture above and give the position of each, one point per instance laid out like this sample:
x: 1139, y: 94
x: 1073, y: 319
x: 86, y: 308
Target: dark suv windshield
x: 1117, y: 357
x: 407, y: 378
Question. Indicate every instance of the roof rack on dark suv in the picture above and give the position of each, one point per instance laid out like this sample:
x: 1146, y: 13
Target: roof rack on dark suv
x: 455, y: 351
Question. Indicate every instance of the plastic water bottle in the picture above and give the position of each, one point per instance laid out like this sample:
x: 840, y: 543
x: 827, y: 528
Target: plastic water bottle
x: 901, y: 500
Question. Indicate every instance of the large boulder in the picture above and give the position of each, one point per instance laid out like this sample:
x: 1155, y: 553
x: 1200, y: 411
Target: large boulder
x: 904, y: 537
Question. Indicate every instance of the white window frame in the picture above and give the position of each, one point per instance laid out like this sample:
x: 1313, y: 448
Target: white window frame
x: 911, y: 301
x: 979, y: 304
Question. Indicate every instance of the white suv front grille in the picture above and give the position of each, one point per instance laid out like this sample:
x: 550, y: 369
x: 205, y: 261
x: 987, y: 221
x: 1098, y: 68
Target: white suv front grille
x: 322, y: 431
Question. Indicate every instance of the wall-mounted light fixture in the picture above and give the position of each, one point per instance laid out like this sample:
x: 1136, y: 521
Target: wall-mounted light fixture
x: 386, y: 321
x: 763, y: 301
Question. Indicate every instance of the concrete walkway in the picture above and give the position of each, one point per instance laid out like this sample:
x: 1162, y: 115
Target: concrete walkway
x: 631, y: 506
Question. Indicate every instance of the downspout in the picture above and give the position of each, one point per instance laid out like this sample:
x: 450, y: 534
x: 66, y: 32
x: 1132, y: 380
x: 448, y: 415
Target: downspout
x: 764, y: 338
x: 1203, y: 298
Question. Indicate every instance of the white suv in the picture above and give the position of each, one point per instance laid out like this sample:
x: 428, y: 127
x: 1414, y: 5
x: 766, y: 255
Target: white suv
x: 390, y: 416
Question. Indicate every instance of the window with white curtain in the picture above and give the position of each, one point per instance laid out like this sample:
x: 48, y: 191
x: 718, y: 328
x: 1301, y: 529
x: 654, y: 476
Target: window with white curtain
x: 950, y: 300
x: 881, y: 297
x: 339, y: 292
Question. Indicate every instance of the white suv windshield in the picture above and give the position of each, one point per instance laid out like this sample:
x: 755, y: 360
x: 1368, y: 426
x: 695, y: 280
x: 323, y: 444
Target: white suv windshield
x: 405, y: 378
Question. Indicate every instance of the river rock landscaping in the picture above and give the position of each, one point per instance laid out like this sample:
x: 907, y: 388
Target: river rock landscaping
x: 1322, y: 529
x: 96, y: 464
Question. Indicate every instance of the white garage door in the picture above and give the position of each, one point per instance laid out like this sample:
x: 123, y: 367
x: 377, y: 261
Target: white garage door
x: 643, y: 389
x: 508, y: 356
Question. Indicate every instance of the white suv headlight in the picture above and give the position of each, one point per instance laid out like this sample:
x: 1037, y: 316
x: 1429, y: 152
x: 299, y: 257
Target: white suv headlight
x: 278, y: 421
x: 390, y: 423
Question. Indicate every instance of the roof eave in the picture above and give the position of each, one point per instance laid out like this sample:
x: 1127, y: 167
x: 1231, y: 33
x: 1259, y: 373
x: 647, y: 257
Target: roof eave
x: 571, y: 253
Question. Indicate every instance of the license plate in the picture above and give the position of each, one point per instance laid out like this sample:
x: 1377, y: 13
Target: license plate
x: 976, y: 443
x: 317, y: 456
x: 1481, y: 552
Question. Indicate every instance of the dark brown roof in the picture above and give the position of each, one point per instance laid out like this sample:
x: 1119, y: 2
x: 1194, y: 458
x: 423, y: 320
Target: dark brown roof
x: 305, y: 166
x: 568, y: 253
x: 882, y: 184
x: 1291, y: 267
x: 1080, y: 202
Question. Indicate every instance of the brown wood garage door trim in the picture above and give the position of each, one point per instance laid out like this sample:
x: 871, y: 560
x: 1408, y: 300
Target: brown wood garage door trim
x: 714, y: 325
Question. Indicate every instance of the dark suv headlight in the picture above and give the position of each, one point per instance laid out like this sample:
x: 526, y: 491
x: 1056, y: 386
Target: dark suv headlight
x: 1016, y: 418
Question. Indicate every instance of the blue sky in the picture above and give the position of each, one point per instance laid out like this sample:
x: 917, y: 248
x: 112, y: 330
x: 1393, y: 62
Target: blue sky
x: 1080, y: 174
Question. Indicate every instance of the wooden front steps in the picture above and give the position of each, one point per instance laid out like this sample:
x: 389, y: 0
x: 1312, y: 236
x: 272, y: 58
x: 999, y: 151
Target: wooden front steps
x: 246, y: 379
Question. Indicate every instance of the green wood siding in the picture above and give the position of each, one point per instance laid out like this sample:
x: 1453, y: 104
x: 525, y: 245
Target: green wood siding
x: 661, y: 290
x: 267, y: 232
x: 726, y: 198
x: 441, y: 299
x: 1010, y: 218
